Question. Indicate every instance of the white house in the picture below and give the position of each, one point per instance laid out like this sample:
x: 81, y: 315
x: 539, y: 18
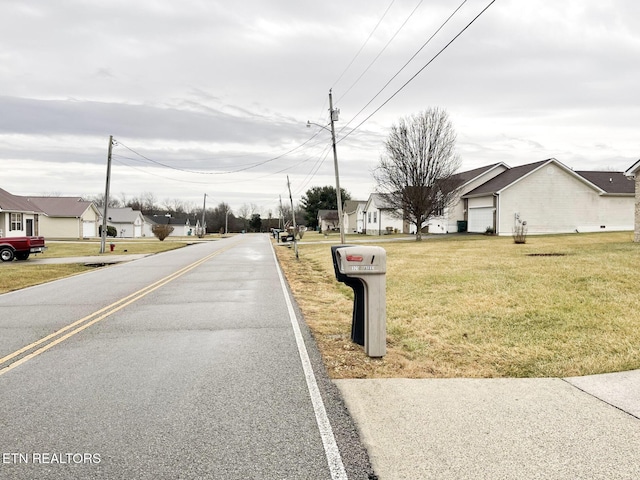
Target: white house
x: 328, y: 220
x: 18, y: 217
x: 353, y: 216
x: 67, y: 217
x: 551, y: 198
x: 633, y: 173
x: 381, y: 218
x: 127, y: 221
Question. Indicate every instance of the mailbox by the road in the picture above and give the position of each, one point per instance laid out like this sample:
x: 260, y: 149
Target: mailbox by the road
x: 364, y: 269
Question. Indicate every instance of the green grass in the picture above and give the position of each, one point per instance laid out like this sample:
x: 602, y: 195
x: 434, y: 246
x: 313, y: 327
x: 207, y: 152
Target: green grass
x: 476, y: 306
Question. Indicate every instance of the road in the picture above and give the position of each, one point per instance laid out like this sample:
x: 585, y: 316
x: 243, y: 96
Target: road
x: 187, y: 364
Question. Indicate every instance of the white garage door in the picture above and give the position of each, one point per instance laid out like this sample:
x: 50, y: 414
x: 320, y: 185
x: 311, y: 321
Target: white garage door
x: 480, y: 219
x: 89, y: 229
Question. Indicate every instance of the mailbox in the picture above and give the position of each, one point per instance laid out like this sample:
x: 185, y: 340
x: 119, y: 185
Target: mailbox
x: 364, y: 268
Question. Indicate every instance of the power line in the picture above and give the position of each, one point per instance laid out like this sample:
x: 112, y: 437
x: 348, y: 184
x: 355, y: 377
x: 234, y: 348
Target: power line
x: 407, y: 63
x: 419, y: 71
x: 381, y: 51
x: 364, y: 44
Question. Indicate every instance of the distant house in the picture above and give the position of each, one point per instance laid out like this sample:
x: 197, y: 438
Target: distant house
x: 551, y: 198
x: 328, y: 220
x: 381, y: 218
x: 353, y: 216
x: 67, y: 217
x: 182, y: 225
x: 127, y: 221
x: 634, y: 173
x: 18, y: 216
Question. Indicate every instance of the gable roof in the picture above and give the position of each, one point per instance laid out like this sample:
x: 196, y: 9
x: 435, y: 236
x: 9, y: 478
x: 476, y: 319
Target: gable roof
x: 61, y: 206
x: 15, y: 203
x: 633, y: 169
x: 350, y: 206
x: 328, y: 214
x: 466, y: 177
x: 506, y: 178
x: 380, y: 200
x: 613, y: 183
x: 123, y: 215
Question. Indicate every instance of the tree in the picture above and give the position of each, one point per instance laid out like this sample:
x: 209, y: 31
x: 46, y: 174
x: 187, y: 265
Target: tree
x: 255, y: 223
x: 416, y: 170
x: 320, y: 198
x: 161, y: 231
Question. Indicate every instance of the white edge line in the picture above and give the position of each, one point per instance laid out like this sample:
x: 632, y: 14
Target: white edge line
x: 332, y: 452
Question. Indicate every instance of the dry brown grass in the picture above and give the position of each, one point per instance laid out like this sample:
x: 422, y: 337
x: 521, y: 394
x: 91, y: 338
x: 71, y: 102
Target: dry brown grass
x: 475, y: 306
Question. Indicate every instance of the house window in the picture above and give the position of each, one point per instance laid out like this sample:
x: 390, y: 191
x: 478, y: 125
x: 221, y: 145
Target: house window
x: 16, y: 221
x: 369, y: 217
x: 375, y: 217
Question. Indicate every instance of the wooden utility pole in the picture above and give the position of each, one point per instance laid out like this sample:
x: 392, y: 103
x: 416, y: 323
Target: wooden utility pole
x: 204, y: 207
x: 103, y: 237
x: 334, y: 117
x: 293, y: 216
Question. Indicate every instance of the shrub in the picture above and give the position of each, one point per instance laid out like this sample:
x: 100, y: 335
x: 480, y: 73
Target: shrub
x: 162, y: 231
x: 520, y: 233
x: 111, y: 231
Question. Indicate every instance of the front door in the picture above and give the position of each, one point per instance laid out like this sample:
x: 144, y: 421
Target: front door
x: 29, y: 227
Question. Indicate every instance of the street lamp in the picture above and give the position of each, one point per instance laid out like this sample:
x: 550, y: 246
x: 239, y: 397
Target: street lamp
x: 334, y: 117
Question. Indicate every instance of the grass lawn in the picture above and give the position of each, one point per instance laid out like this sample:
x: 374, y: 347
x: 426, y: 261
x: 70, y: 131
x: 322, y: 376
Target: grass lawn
x: 17, y: 275
x: 477, y: 306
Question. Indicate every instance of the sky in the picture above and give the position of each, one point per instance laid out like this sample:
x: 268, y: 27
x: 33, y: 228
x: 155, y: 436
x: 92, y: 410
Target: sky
x: 212, y: 97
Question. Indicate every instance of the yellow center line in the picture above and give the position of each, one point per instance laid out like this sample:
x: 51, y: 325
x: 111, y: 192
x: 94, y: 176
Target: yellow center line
x: 103, y: 313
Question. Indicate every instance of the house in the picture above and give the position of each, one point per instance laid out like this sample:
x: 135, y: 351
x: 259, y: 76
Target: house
x: 353, y: 216
x: 127, y: 221
x: 18, y: 217
x: 634, y: 173
x: 67, y: 217
x: 381, y: 218
x: 182, y: 225
x: 551, y: 198
x: 328, y: 220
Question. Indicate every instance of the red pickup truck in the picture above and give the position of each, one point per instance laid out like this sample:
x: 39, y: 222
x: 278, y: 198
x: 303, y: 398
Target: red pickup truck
x: 20, y: 247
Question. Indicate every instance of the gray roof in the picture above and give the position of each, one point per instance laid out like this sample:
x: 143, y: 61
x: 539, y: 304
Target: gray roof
x: 122, y: 215
x: 15, y: 203
x: 61, y: 206
x: 350, y: 206
x: 615, y: 183
x: 464, y: 177
x: 506, y: 178
x: 328, y: 214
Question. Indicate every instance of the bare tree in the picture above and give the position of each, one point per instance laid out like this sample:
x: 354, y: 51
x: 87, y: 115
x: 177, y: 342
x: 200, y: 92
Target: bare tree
x: 415, y: 173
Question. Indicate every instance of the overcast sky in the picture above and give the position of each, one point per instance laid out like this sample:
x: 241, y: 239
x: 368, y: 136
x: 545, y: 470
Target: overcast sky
x: 205, y: 96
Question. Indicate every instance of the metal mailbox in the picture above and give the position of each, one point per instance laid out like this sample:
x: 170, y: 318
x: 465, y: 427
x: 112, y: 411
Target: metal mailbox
x: 364, y: 269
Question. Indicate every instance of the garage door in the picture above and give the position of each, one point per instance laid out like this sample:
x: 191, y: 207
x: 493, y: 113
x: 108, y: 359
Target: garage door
x: 89, y: 229
x: 480, y: 219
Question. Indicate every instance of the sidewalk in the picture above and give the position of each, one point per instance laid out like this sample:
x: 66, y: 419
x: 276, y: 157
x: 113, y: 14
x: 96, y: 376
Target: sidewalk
x: 549, y: 428
x: 89, y: 260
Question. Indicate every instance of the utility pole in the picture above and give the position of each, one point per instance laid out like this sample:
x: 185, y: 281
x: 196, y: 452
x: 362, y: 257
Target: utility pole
x: 103, y: 237
x: 334, y: 117
x: 280, y: 219
x: 204, y: 206
x: 293, y: 215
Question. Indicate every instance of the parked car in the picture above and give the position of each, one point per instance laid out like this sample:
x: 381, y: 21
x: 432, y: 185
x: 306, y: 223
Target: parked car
x: 20, y: 247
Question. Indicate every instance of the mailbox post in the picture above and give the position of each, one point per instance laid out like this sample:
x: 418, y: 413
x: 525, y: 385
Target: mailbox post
x: 364, y: 268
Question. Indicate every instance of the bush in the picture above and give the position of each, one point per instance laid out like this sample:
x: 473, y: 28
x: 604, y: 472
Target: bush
x: 520, y: 233
x: 111, y: 231
x: 162, y: 231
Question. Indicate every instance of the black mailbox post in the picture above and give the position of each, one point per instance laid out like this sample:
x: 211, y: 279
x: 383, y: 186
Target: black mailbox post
x: 357, y: 322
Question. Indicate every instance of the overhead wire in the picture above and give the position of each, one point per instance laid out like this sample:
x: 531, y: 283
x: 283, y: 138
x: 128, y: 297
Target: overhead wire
x: 380, y: 52
x: 418, y: 72
x: 406, y: 64
x: 364, y: 44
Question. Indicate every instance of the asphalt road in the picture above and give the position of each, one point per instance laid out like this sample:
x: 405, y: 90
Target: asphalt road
x: 187, y: 364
